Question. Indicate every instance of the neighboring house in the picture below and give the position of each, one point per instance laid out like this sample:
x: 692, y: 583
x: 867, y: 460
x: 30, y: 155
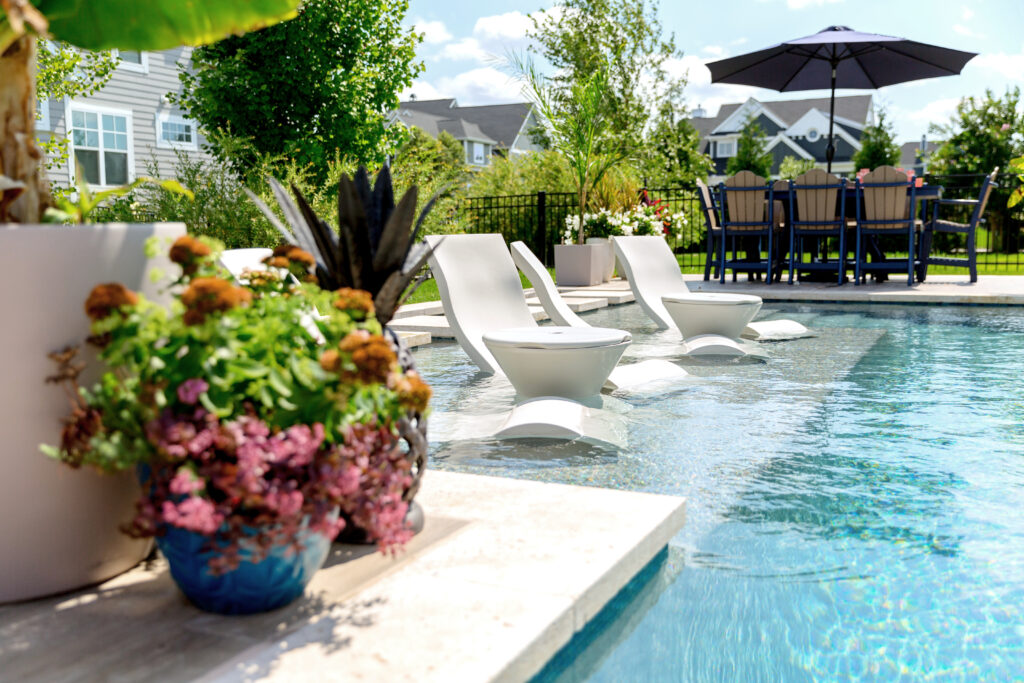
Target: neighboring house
x: 916, y: 155
x: 117, y: 132
x: 483, y: 131
x: 796, y: 128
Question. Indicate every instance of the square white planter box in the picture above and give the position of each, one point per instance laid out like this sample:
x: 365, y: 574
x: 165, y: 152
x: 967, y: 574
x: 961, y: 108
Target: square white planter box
x: 580, y: 265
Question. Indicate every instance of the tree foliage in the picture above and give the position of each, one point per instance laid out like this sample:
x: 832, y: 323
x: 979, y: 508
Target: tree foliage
x: 435, y: 165
x: 317, y: 88
x: 672, y: 153
x: 751, y: 151
x: 983, y: 133
x: 624, y: 37
x: 877, y: 146
x: 791, y: 167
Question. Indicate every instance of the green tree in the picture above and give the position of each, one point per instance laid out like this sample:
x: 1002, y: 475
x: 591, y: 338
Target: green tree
x: 624, y: 37
x: 315, y: 89
x: 671, y: 154
x: 877, y: 146
x: 791, y: 167
x: 982, y: 134
x: 126, y: 24
x: 435, y: 165
x: 751, y: 151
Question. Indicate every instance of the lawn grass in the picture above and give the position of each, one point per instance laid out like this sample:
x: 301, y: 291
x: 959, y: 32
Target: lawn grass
x: 428, y: 290
x: 987, y: 265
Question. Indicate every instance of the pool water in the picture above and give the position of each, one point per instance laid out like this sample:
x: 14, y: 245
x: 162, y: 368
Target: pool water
x: 855, y: 505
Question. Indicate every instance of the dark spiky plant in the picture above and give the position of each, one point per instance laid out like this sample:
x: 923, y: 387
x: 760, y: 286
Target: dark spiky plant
x: 374, y: 249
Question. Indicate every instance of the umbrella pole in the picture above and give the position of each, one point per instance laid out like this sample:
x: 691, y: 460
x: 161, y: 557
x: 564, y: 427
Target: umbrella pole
x: 830, y: 151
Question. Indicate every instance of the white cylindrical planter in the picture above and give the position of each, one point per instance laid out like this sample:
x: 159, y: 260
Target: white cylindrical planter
x: 58, y: 526
x: 609, y: 268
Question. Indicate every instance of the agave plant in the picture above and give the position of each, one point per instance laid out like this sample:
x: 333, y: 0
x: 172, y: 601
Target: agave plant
x: 375, y: 247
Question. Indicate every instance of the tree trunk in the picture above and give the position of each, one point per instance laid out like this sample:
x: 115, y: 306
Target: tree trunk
x: 20, y: 159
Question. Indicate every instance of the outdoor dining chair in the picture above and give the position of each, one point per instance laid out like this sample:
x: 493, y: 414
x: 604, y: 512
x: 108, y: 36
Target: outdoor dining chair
x: 970, y: 229
x: 714, y: 230
x: 747, y: 210
x: 817, y: 205
x: 886, y: 207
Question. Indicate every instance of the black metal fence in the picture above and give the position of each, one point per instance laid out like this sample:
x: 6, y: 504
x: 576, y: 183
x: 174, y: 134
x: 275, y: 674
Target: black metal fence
x: 539, y: 219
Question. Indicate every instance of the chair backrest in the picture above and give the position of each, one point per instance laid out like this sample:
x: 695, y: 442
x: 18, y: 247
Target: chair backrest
x: 986, y: 192
x: 237, y: 261
x: 480, y: 290
x: 544, y: 286
x: 707, y: 207
x: 816, y: 201
x: 743, y: 206
x: 884, y: 198
x: 778, y: 208
x: 652, y: 271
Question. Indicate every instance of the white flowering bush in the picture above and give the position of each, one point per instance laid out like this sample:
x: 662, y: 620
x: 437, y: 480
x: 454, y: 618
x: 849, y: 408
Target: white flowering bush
x: 642, y: 219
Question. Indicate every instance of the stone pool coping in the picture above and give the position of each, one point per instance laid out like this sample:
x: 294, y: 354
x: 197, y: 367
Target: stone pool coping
x: 502, y: 576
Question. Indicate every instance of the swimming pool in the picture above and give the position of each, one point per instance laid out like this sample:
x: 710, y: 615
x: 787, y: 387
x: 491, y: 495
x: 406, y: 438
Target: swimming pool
x: 854, y: 504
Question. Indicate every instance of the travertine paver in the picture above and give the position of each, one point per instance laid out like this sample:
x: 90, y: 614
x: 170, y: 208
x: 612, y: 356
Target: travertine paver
x: 436, y: 325
x: 576, y: 304
x: 504, y: 573
x: 414, y: 339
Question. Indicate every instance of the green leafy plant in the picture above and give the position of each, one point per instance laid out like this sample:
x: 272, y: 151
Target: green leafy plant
x: 1016, y: 166
x: 78, y: 207
x: 791, y: 167
x: 877, y: 145
x: 126, y: 24
x: 751, y: 152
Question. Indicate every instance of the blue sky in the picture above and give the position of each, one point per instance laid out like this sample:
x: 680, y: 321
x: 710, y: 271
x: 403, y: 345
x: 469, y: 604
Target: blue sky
x: 464, y: 37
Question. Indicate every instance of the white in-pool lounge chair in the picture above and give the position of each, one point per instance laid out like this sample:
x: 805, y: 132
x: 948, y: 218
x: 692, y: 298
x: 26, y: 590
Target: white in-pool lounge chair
x: 237, y: 261
x: 709, y: 322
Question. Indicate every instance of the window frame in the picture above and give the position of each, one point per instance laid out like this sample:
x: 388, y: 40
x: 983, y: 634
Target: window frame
x: 142, y: 67
x: 69, y: 107
x: 719, y: 154
x: 167, y: 117
x: 43, y: 122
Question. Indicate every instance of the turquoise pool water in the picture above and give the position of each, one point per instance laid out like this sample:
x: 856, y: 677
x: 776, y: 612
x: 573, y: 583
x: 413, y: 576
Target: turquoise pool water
x: 855, y: 504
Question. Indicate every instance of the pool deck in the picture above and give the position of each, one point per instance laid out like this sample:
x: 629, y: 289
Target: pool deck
x: 490, y: 590
x: 990, y: 290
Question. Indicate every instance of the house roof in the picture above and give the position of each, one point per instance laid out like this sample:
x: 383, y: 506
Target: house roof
x: 908, y: 152
x: 434, y: 124
x: 853, y: 108
x: 499, y: 123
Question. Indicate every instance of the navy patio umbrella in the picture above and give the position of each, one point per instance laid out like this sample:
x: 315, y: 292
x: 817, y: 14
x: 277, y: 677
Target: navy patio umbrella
x: 843, y: 58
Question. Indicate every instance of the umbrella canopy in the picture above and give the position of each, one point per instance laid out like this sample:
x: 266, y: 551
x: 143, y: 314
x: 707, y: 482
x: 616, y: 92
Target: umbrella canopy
x: 839, y: 57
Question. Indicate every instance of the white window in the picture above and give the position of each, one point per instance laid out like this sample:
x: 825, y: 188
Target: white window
x: 478, y: 154
x: 176, y: 132
x: 726, y: 148
x: 101, y: 145
x: 133, y: 60
x: 812, y: 134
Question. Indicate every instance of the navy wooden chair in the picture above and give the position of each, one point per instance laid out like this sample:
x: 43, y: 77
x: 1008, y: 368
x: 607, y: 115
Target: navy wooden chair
x: 714, y: 230
x: 817, y: 209
x: 970, y: 229
x: 747, y: 212
x: 886, y: 207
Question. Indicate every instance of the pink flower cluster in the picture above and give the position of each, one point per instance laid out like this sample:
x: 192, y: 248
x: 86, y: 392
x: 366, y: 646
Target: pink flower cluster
x: 228, y: 478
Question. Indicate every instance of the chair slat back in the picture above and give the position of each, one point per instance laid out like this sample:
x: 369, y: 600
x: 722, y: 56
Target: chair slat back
x: 886, y: 201
x: 986, y: 192
x: 706, y: 206
x: 816, y: 200
x: 745, y: 206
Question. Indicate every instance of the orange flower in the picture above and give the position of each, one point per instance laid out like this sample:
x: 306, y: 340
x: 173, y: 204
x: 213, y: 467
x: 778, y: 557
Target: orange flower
x: 413, y: 392
x: 371, y: 354
x: 330, y: 360
x: 187, y: 252
x: 209, y: 294
x: 105, y: 299
x: 289, y: 256
x: 356, y: 302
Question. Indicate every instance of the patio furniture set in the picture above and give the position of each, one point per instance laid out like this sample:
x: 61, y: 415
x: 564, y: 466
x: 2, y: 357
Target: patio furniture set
x: 779, y: 225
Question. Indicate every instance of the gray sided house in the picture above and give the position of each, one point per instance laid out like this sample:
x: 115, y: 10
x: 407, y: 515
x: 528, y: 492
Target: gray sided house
x: 115, y: 133
x: 916, y: 155
x: 483, y: 131
x: 796, y: 128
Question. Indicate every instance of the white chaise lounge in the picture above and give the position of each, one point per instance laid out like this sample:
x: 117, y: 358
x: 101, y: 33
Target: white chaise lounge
x: 237, y: 261
x: 659, y: 288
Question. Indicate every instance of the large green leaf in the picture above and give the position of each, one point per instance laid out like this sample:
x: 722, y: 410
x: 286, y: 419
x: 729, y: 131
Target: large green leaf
x: 158, y: 24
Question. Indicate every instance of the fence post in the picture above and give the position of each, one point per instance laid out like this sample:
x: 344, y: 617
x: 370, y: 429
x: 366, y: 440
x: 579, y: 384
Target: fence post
x: 540, y: 239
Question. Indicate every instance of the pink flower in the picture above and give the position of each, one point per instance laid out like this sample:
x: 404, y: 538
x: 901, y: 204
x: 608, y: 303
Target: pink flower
x: 194, y: 514
x: 190, y: 390
x: 185, y: 483
x: 1005, y: 127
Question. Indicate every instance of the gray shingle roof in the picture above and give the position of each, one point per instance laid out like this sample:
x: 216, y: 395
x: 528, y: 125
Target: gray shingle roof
x: 498, y: 122
x: 908, y: 152
x: 853, y: 107
x: 433, y: 124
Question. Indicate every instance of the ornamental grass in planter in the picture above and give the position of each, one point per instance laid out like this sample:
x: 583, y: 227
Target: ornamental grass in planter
x: 259, y: 417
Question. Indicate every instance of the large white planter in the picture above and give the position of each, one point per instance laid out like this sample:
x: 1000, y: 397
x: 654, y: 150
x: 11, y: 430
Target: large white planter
x: 579, y: 265
x: 58, y: 526
x: 609, y: 266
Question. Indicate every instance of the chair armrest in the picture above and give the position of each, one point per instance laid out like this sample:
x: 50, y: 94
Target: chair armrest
x: 957, y: 202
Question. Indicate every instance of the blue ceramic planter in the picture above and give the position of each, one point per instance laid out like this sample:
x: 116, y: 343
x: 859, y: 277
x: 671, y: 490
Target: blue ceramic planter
x: 254, y: 587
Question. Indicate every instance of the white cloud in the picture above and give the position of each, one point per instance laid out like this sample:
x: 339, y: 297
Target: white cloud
x: 964, y: 31
x: 1008, y: 67
x: 968, y: 14
x: 434, y: 32
x: 738, y: 41
x: 467, y: 49
x: 422, y: 90
x: 936, y: 111
x: 713, y: 50
x: 511, y: 26
x: 701, y: 92
x: 485, y: 85
x: 802, y: 4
